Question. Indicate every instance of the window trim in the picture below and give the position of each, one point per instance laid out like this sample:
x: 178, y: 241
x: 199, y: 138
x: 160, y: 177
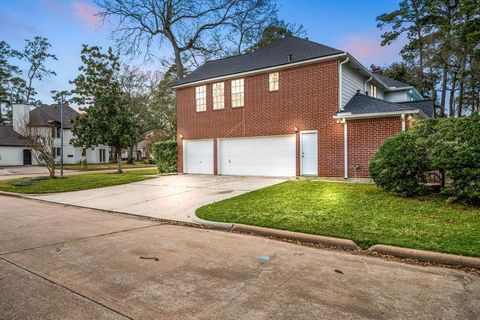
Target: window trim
x: 204, y: 98
x: 276, y: 84
x: 222, y: 84
x: 242, y: 93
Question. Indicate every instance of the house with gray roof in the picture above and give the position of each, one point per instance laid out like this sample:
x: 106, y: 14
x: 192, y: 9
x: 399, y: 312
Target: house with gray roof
x: 292, y: 108
x: 45, y: 119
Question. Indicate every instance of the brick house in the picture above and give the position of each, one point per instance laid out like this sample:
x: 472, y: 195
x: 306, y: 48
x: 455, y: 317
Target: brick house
x: 292, y: 108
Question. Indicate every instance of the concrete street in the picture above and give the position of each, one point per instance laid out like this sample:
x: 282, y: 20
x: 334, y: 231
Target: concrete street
x: 173, y: 197
x: 59, y: 262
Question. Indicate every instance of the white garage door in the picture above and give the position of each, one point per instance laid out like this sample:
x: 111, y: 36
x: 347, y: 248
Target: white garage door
x: 198, y: 156
x: 258, y: 156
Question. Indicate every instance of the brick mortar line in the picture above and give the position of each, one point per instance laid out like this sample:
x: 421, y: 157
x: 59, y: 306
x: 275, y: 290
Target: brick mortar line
x: 66, y: 288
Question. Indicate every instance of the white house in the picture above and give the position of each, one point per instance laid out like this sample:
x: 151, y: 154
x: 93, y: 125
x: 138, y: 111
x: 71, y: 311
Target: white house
x: 46, y: 119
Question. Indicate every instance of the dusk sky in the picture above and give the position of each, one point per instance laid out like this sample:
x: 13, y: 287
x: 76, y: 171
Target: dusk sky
x: 348, y: 25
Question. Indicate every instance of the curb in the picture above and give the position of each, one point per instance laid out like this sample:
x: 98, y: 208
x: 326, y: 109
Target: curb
x: 298, y: 236
x: 213, y: 224
x: 427, y: 256
x: 11, y: 194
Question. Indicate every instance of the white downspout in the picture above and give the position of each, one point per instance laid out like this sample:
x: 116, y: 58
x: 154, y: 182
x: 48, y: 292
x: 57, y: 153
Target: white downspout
x: 365, y: 85
x: 404, y: 124
x: 345, y: 151
x: 340, y: 107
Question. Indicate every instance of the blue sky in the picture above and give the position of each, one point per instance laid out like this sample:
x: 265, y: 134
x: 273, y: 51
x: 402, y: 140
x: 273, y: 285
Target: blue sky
x: 349, y: 25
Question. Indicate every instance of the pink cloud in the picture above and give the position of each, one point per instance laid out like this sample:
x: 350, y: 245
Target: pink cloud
x: 86, y: 13
x: 368, y: 50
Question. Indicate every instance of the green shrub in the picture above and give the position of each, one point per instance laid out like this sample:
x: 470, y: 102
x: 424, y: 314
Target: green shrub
x: 165, y: 156
x: 399, y: 165
x: 455, y: 149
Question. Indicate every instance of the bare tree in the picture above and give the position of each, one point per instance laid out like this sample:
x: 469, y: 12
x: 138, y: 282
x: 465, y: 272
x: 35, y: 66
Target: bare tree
x: 190, y: 26
x: 40, y: 141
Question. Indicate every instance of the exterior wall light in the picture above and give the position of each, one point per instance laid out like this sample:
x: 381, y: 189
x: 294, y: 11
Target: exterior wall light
x: 296, y: 129
x: 181, y: 136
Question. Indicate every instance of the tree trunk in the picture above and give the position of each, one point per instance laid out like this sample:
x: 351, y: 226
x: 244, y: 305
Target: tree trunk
x: 444, y: 92
x: 130, y: 155
x: 119, y: 160
x: 451, y: 110
x: 461, y: 87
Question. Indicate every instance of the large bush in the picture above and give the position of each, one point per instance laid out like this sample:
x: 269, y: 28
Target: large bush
x: 455, y: 150
x: 165, y: 156
x: 451, y: 146
x: 399, y: 165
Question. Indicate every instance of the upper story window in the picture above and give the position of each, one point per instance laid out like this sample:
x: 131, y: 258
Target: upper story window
x: 218, y: 96
x: 201, y: 98
x: 273, y: 81
x: 237, y: 93
x: 373, y: 91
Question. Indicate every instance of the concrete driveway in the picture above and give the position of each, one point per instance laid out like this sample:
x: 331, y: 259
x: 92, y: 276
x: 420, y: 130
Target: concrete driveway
x: 174, y: 197
x: 60, y: 262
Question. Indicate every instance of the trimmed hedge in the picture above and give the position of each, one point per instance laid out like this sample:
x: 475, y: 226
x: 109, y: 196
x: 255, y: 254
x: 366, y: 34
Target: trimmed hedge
x: 449, y: 145
x: 165, y: 156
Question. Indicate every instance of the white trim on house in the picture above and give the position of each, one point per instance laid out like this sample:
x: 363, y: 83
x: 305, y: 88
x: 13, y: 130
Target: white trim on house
x: 340, y: 80
x: 350, y: 116
x: 247, y: 73
x: 345, y: 149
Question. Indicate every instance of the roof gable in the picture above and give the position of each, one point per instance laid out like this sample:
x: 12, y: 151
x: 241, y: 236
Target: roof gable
x: 285, y: 51
x: 361, y: 104
x: 392, y: 83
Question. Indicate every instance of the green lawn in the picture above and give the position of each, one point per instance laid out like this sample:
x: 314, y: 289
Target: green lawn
x: 74, y: 182
x: 363, y: 213
x: 106, y: 166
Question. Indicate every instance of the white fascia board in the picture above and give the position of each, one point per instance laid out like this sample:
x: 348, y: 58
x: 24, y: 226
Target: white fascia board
x: 248, y: 73
x: 349, y: 115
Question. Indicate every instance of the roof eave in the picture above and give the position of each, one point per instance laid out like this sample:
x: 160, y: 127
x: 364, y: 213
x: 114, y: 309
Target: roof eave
x: 350, y: 116
x: 262, y: 70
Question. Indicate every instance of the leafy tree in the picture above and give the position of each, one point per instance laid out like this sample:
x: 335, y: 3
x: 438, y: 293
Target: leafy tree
x: 8, y: 78
x: 189, y: 26
x: 98, y: 75
x: 108, y: 121
x: 276, y: 30
x: 165, y: 156
x: 36, y: 53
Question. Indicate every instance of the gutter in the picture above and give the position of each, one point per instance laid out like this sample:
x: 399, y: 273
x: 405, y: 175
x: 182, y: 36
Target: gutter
x: 252, y: 72
x: 365, y: 85
x: 350, y: 116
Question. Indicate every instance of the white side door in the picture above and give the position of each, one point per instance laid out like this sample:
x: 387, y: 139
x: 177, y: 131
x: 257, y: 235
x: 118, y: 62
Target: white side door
x: 309, y: 153
x: 198, y: 156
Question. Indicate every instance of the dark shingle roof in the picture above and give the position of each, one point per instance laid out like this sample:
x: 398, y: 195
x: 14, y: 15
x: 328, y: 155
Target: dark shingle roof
x: 391, y: 82
x: 41, y: 116
x: 427, y: 106
x: 8, y: 137
x: 361, y: 103
x: 275, y: 54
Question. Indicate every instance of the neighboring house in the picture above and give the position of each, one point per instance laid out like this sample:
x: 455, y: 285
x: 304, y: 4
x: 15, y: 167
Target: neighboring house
x: 47, y: 120
x: 294, y: 107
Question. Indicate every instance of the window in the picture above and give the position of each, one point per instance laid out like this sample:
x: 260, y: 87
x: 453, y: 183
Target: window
x: 201, y: 98
x: 218, y: 96
x: 237, y: 93
x: 373, y: 91
x: 273, y: 80
x: 102, y: 155
x: 56, y: 152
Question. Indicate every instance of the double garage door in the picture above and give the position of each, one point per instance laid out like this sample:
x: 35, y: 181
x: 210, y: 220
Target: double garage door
x: 257, y: 156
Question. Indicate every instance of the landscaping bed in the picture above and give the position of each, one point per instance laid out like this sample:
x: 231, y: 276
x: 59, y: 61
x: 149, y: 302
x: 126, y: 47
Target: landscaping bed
x: 363, y: 213
x: 77, y: 182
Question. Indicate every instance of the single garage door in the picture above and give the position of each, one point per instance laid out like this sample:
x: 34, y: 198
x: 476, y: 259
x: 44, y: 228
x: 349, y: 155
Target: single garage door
x: 198, y: 156
x: 258, y: 156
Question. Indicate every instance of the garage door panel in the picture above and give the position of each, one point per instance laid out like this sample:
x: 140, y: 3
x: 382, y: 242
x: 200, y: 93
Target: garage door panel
x: 198, y: 155
x: 260, y: 156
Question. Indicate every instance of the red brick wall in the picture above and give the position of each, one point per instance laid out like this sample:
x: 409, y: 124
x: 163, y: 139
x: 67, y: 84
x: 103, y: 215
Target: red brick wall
x: 307, y: 99
x: 364, y: 138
